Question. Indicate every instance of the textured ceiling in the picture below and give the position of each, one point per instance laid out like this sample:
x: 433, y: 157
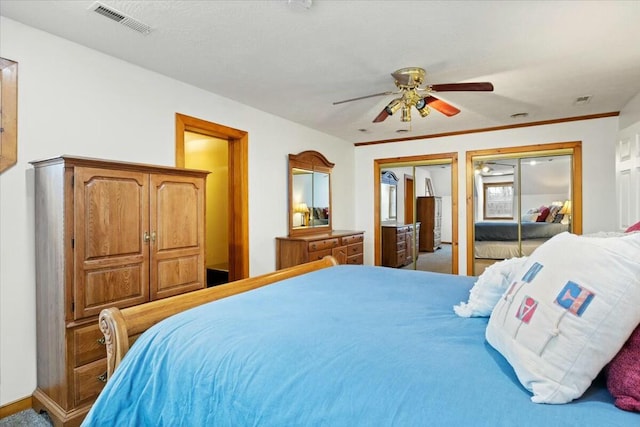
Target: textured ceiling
x: 294, y: 62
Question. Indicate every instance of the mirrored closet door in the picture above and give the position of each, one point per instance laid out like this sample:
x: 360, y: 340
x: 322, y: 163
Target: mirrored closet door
x: 416, y: 216
x: 520, y: 200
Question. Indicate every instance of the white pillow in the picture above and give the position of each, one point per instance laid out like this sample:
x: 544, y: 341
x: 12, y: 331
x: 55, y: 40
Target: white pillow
x: 571, y: 308
x: 489, y: 287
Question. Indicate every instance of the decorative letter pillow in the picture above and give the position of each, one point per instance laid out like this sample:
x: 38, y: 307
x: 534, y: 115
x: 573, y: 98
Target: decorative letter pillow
x: 489, y: 288
x: 568, y: 312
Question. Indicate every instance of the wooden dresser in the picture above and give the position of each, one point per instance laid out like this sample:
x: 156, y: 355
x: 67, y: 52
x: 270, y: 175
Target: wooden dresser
x: 107, y: 234
x: 429, y: 213
x: 398, y: 244
x: 346, y: 246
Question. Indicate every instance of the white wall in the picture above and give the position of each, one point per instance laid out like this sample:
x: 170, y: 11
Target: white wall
x: 73, y: 100
x: 598, y: 137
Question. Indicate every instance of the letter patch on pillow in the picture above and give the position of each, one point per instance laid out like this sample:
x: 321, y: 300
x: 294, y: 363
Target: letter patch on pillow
x: 532, y: 272
x: 527, y: 309
x: 574, y: 298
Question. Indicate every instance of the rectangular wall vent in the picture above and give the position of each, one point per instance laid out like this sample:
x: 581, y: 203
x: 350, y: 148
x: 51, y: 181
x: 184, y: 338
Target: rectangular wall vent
x: 120, y: 18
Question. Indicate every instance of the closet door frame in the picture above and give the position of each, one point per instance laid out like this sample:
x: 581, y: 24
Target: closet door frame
x: 418, y: 160
x: 573, y: 148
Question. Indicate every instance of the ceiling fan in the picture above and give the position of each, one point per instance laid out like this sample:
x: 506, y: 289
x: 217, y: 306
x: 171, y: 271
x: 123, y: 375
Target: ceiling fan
x: 408, y: 80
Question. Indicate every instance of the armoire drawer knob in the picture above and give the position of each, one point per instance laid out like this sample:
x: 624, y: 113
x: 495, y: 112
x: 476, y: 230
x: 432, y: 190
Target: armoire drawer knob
x: 102, y: 378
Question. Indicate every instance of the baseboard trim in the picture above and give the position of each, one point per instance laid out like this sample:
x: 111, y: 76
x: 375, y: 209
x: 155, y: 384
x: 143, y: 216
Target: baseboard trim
x: 15, y: 407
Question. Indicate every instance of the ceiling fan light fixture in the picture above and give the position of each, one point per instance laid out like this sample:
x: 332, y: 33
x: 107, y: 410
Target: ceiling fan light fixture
x: 424, y: 112
x: 423, y: 107
x: 393, y: 106
x: 406, y: 114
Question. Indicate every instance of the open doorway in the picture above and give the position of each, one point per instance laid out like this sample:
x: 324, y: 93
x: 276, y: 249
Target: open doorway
x: 224, y: 152
x: 402, y: 244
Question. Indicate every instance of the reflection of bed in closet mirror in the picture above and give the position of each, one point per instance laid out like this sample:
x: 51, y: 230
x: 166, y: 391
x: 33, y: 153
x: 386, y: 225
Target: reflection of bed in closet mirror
x: 519, y: 204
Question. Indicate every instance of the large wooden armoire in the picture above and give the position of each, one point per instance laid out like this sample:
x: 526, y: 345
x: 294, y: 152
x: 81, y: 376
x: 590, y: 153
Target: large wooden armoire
x: 107, y: 234
x: 429, y: 214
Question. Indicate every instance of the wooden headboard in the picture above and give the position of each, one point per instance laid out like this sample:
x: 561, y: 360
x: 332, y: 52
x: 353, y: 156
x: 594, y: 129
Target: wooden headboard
x: 122, y: 327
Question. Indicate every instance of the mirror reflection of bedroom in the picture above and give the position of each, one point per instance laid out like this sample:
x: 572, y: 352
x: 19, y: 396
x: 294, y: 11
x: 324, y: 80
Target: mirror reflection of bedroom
x: 415, y: 217
x: 518, y: 204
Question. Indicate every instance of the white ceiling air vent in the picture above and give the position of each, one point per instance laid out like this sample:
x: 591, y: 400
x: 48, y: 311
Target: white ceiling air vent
x: 120, y: 18
x: 582, y: 100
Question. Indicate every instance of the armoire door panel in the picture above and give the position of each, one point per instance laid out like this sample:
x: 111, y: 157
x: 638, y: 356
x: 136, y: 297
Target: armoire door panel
x: 113, y: 287
x: 177, y: 222
x: 111, y: 257
x: 177, y: 252
x: 178, y: 275
x: 113, y: 210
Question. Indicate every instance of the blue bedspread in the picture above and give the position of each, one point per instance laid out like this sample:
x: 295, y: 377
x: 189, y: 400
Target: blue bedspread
x: 343, y: 346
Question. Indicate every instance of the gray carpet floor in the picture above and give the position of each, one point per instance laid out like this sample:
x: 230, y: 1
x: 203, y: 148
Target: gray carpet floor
x: 438, y: 261
x: 28, y: 418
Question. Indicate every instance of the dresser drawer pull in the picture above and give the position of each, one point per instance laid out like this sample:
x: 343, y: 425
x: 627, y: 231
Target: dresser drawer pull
x: 102, y: 378
x: 101, y: 341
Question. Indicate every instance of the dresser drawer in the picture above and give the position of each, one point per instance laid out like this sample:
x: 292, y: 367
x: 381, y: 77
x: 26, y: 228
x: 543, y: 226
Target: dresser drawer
x: 88, y: 344
x: 401, y: 257
x: 357, y: 259
x: 354, y: 249
x: 319, y: 245
x: 89, y: 380
x: 402, y: 230
x: 401, y: 246
x: 316, y: 255
x: 356, y: 238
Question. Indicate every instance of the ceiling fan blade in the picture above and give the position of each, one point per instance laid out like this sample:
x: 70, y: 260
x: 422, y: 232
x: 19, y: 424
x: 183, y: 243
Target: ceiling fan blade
x: 439, y: 105
x: 363, y: 97
x: 454, y: 87
x: 382, y: 116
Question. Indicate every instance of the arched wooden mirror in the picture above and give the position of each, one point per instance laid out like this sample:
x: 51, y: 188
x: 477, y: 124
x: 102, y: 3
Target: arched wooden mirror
x: 309, y: 193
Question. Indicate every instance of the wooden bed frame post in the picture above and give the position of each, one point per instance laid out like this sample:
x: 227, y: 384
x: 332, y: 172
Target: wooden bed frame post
x: 122, y: 327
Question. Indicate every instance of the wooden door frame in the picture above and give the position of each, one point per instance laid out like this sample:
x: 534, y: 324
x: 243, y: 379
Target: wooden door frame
x: 238, y: 141
x: 379, y: 164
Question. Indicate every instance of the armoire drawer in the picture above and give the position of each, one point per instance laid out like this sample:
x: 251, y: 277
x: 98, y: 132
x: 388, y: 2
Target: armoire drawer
x: 88, y: 344
x: 89, y: 380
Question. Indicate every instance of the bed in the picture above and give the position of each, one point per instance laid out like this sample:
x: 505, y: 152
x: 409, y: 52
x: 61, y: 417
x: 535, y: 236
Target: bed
x: 501, y: 240
x: 322, y: 344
